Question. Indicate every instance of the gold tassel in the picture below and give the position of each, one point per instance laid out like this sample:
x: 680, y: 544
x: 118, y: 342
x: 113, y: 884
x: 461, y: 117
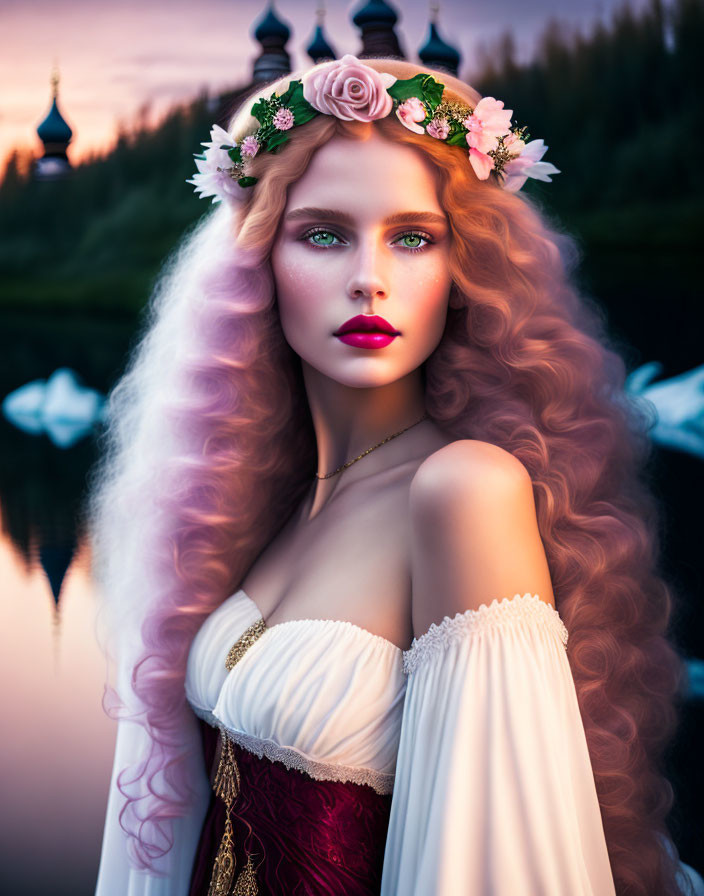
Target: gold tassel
x: 226, y: 786
x: 224, y: 867
x: 247, y: 881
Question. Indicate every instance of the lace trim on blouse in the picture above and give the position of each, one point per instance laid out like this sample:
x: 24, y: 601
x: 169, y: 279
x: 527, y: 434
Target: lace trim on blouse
x: 497, y: 614
x: 381, y: 782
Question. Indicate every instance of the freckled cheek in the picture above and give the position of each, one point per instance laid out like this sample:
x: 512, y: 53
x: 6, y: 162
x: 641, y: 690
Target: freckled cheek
x: 302, y: 293
x: 427, y: 293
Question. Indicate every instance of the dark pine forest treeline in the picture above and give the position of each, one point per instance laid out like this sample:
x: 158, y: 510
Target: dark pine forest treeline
x: 619, y: 109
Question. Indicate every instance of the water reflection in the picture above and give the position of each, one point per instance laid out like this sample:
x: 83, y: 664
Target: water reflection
x: 56, y: 752
x: 41, y: 493
x: 61, y: 407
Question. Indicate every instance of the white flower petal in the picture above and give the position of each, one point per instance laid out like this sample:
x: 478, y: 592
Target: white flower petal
x: 220, y: 136
x: 513, y: 183
x: 542, y: 170
x: 534, y: 150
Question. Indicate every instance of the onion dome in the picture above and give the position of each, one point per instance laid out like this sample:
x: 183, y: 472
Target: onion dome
x: 56, y: 135
x: 271, y: 27
x: 54, y: 128
x: 319, y: 49
x: 272, y: 34
x: 376, y: 20
x: 438, y: 54
x: 375, y: 12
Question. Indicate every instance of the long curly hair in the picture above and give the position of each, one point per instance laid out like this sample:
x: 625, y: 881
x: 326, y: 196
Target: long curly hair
x: 210, y: 447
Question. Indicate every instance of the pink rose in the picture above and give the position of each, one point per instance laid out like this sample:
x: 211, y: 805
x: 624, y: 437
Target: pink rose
x: 481, y: 163
x: 487, y: 123
x: 438, y: 128
x: 348, y: 89
x: 411, y: 111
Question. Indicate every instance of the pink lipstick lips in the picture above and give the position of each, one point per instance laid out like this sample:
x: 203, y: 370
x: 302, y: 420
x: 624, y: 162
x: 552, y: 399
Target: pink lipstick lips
x: 366, y: 331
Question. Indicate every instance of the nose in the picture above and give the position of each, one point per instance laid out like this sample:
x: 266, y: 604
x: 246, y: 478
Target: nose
x: 367, y: 280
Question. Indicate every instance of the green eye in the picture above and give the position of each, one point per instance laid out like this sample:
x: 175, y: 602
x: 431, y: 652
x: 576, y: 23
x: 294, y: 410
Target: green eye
x: 323, y: 237
x: 412, y: 241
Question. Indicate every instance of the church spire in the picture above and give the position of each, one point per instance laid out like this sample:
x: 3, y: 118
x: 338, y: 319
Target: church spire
x: 319, y: 49
x: 273, y: 34
x: 56, y: 135
x: 376, y: 20
x: 435, y: 51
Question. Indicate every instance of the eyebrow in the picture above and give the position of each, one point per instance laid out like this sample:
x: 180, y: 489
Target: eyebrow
x: 332, y: 214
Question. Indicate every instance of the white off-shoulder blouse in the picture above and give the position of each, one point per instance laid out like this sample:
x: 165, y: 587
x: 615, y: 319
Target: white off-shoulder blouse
x: 475, y: 730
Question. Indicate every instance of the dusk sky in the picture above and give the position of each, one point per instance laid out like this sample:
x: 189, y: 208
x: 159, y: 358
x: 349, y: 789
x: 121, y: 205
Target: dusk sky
x: 116, y: 55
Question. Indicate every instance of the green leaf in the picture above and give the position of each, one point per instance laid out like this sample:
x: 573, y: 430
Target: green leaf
x: 299, y: 105
x: 259, y: 110
x: 276, y: 140
x: 265, y: 133
x: 235, y: 153
x: 433, y: 91
x: 458, y: 139
x: 423, y: 86
x: 303, y: 112
x: 247, y: 181
x: 292, y: 91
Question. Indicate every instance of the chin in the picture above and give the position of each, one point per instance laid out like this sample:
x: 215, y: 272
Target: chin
x: 361, y: 374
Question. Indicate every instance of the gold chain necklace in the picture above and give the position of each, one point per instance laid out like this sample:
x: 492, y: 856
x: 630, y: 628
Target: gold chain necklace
x: 364, y: 453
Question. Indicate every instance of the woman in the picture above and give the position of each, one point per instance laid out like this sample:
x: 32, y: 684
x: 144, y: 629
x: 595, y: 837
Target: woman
x: 357, y: 556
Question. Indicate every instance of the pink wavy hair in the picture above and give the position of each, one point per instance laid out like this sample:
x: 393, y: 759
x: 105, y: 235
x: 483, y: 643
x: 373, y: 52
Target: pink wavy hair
x: 211, y: 446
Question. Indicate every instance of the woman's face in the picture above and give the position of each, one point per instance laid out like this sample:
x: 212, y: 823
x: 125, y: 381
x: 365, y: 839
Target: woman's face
x: 363, y: 234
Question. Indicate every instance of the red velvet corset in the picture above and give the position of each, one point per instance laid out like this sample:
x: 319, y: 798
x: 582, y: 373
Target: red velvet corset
x: 304, y: 837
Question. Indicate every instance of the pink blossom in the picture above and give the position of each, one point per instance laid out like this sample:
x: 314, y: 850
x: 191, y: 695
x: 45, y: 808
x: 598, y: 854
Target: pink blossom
x: 283, y: 119
x: 348, y: 89
x: 250, y: 146
x: 481, y: 163
x: 411, y: 111
x: 517, y: 171
x: 439, y: 128
x: 487, y: 123
x: 514, y: 144
x: 493, y: 115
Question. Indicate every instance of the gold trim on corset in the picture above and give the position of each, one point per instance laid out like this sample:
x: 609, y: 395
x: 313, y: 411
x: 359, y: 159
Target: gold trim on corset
x: 243, y: 643
x: 227, y: 786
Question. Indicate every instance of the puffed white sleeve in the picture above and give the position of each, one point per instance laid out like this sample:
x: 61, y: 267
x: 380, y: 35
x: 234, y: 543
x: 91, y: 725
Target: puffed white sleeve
x: 117, y: 876
x: 494, y: 790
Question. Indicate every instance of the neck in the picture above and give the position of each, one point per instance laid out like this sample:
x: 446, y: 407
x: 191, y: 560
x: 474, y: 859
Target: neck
x: 348, y: 420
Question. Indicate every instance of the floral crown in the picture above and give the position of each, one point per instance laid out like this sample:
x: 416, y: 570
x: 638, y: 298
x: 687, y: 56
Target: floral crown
x: 353, y: 91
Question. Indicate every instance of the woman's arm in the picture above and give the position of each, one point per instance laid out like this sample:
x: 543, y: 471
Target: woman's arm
x: 494, y: 790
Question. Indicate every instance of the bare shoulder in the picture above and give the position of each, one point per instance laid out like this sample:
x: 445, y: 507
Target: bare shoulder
x: 464, y: 467
x: 474, y: 532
